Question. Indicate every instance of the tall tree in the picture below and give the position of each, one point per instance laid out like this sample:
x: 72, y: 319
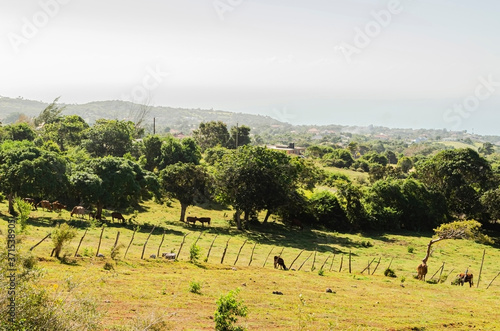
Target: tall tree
x: 66, y: 131
x: 239, y: 136
x: 19, y: 132
x: 211, y: 134
x: 184, y: 182
x: 50, y: 114
x: 109, y: 138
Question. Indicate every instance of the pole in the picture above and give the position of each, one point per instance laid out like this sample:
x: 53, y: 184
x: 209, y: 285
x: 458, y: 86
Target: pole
x: 481, y: 269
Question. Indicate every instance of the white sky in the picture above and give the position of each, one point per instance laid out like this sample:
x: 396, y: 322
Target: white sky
x: 271, y: 57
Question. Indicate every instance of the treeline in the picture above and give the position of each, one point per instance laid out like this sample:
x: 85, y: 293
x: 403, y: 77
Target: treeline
x: 113, y: 164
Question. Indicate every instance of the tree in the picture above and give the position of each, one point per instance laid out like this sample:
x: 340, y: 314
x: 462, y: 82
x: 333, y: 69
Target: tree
x: 469, y: 230
x: 211, y: 134
x: 184, y: 182
x: 391, y: 157
x: 151, y: 151
x: 66, y: 131
x: 173, y: 151
x: 19, y: 132
x: 50, y: 114
x: 61, y: 235
x: 339, y: 158
x: 242, y: 133
x: 29, y: 171
x: 405, y: 164
x: 487, y: 148
x: 109, y: 138
x: 328, y: 212
x: 228, y: 309
x: 462, y: 176
x: 113, y: 181
x: 490, y: 201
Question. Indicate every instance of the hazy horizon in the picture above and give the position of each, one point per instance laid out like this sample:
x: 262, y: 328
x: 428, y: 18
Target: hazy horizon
x: 408, y: 64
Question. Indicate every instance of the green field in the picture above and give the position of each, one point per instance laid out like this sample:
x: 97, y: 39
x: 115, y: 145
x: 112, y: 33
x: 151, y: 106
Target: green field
x: 147, y: 289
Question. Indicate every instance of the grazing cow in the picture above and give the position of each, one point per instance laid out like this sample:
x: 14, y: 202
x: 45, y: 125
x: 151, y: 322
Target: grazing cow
x: 79, y: 210
x: 422, y: 271
x: 204, y: 220
x: 279, y: 262
x: 56, y: 205
x: 46, y: 205
x: 118, y: 216
x: 465, y: 278
x: 191, y: 219
x: 31, y: 201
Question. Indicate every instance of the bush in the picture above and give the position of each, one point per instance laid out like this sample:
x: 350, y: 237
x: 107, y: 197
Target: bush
x: 321, y: 272
x: 410, y: 250
x: 228, y: 309
x: 62, y: 235
x: 389, y: 273
x: 195, y: 287
x: 194, y: 253
x: 108, y: 266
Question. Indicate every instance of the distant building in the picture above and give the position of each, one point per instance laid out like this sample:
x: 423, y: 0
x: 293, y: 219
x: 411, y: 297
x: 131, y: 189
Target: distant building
x: 290, y: 149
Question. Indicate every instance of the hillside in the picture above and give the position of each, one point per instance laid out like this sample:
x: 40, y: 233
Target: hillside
x: 177, y: 120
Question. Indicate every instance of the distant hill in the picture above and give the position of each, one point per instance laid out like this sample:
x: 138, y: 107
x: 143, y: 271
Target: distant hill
x: 168, y: 119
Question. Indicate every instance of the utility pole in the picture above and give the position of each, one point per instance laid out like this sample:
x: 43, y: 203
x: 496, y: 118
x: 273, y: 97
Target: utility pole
x: 236, y: 138
x: 154, y: 125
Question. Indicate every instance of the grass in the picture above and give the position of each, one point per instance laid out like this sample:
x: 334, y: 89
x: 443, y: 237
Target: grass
x: 137, y: 288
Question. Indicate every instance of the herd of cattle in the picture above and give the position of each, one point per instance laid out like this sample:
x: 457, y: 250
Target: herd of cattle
x: 462, y: 278
x: 79, y: 211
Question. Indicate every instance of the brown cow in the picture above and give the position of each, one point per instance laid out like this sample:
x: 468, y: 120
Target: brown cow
x: 45, y: 205
x: 465, y: 278
x: 422, y: 271
x: 191, y: 219
x: 118, y: 216
x: 204, y: 220
x: 31, y: 201
x: 56, y: 205
x: 279, y: 262
x: 79, y: 210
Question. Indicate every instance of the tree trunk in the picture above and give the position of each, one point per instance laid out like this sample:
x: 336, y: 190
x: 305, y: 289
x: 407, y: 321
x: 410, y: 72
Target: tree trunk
x: 267, y: 216
x: 10, y: 197
x: 98, y: 213
x: 238, y: 219
x: 427, y: 255
x: 183, y: 211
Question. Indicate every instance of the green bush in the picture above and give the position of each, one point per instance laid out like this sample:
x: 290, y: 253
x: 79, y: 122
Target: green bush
x: 62, y: 235
x: 195, y: 287
x: 411, y: 250
x: 389, y: 273
x: 228, y: 309
x: 194, y: 253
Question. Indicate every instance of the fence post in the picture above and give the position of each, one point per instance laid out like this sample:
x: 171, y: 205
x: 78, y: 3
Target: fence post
x: 79, y: 244
x: 161, y: 242
x: 147, y: 239
x: 267, y: 257
x: 341, y: 262
x: 131, y: 239
x: 251, y: 256
x: 492, y: 280
x: 481, y: 269
x: 46, y: 238
x: 331, y: 264
x: 238, y: 256
x: 182, y: 244
x: 208, y: 254
x: 100, y: 238
x: 305, y: 261
x: 376, y: 265
x: 225, y: 249
x: 349, y: 261
x: 295, y: 259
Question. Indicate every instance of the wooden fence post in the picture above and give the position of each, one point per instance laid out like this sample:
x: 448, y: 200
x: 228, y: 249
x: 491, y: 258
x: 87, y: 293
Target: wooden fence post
x: 368, y: 266
x: 295, y: 259
x: 376, y: 265
x: 267, y: 257
x: 305, y: 261
x: 180, y: 247
x: 251, y: 256
x: 208, y: 254
x: 147, y: 239
x: 32, y: 247
x: 314, y: 260
x: 238, y: 256
x: 79, y: 244
x: 324, y: 262
x: 331, y: 264
x: 492, y: 280
x: 442, y: 269
x: 349, y: 261
x: 130, y: 243
x: 341, y: 262
x: 481, y: 269
x: 116, y: 243
x: 442, y: 266
x: 100, y: 238
x: 161, y: 242
x: 224, y: 253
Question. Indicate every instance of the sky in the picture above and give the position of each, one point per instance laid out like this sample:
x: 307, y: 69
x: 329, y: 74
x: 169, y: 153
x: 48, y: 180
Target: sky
x: 395, y: 63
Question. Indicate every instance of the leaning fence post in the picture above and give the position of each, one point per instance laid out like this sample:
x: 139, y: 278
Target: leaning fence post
x: 161, y: 242
x: 116, y: 243
x: 267, y: 257
x: 324, y: 262
x: 100, y: 239
x: 225, y: 249
x: 481, y: 269
x: 130, y: 243
x: 208, y: 254
x: 43, y: 240
x: 295, y: 259
x: 305, y: 261
x: 349, y: 261
x: 331, y: 264
x: 238, y: 256
x: 492, y: 280
x: 314, y: 260
x: 341, y: 262
x: 147, y: 239
x: 251, y: 256
x: 376, y: 265
x: 180, y: 247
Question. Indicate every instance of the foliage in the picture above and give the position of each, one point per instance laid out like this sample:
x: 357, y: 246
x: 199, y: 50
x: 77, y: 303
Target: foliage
x: 328, y: 212
x: 109, y: 138
x: 23, y: 208
x: 229, y: 308
x: 243, y: 133
x: 50, y: 114
x: 339, y: 158
x: 60, y: 236
x: 211, y: 134
x: 194, y: 253
x: 19, y: 132
x: 389, y: 273
x: 469, y: 229
x: 67, y: 131
x: 195, y: 287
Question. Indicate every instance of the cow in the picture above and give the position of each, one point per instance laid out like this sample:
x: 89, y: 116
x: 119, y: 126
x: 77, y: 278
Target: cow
x: 79, y: 210
x: 118, y: 216
x: 191, y: 219
x: 45, y: 204
x: 422, y: 271
x: 465, y: 278
x: 279, y: 262
x: 56, y: 205
x: 204, y: 220
x: 31, y: 201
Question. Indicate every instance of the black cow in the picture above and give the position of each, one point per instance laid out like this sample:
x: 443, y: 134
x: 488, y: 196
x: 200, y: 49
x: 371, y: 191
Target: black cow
x: 279, y: 262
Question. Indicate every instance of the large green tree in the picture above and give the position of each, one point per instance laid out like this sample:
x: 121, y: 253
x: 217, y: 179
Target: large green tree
x: 109, y: 138
x: 27, y: 171
x: 184, y: 182
x: 66, y: 131
x: 112, y: 182
x: 462, y: 176
x: 211, y: 134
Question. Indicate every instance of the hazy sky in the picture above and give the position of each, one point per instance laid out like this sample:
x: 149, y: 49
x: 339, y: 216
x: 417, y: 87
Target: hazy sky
x: 397, y: 63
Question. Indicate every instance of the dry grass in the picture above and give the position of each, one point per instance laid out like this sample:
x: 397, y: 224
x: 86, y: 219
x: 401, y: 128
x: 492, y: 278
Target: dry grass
x: 155, y: 288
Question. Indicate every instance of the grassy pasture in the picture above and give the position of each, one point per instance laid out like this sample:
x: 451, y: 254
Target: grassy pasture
x: 142, y: 289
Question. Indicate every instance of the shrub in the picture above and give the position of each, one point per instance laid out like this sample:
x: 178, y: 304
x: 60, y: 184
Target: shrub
x: 194, y: 253
x: 195, y: 287
x: 389, y: 273
x: 228, y: 309
x: 410, y: 249
x: 321, y: 272
x: 108, y: 266
x: 24, y: 209
x: 62, y: 235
